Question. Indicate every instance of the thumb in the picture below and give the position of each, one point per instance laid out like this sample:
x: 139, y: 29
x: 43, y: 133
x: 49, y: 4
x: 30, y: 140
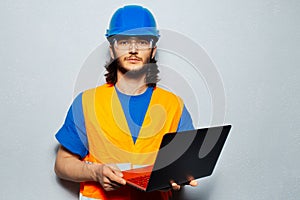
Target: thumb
x: 117, y: 171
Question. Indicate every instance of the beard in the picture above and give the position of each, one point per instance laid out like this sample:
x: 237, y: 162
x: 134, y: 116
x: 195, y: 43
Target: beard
x: 151, y: 70
x: 135, y: 73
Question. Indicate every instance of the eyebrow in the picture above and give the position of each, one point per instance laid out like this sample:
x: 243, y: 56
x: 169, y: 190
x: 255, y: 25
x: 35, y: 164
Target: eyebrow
x: 124, y: 37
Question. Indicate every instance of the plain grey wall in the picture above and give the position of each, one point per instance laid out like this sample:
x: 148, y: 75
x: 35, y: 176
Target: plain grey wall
x: 253, y: 44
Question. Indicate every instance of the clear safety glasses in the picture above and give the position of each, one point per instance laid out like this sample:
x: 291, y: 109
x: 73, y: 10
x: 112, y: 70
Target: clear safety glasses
x: 127, y: 44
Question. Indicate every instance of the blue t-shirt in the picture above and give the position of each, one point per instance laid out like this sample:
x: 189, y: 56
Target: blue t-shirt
x: 135, y: 108
x: 72, y: 134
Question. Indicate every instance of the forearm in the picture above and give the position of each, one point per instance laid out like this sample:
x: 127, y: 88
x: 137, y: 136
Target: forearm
x: 70, y: 167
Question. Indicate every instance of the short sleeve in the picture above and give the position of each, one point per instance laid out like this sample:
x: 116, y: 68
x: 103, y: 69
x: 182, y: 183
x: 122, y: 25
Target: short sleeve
x: 186, y: 122
x: 72, y: 135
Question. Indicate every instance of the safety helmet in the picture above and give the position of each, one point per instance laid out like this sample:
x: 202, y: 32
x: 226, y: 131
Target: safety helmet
x: 132, y: 20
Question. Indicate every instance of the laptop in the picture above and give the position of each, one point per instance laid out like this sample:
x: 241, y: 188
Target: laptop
x: 182, y: 156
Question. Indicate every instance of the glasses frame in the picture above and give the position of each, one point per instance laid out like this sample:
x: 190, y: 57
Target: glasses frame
x: 115, y: 43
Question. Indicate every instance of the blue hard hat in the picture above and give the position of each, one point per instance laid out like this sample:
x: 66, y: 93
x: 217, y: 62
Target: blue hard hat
x: 132, y: 20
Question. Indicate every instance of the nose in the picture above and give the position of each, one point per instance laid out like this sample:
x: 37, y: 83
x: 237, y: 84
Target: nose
x: 133, y: 47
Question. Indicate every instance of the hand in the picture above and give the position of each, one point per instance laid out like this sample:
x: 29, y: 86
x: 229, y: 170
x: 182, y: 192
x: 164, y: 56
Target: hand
x: 177, y: 187
x: 109, y: 177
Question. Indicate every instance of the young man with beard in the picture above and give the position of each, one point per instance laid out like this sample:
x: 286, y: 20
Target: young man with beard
x: 120, y: 124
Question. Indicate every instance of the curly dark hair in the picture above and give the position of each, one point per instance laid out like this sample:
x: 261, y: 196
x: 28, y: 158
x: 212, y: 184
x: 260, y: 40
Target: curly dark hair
x: 151, y: 69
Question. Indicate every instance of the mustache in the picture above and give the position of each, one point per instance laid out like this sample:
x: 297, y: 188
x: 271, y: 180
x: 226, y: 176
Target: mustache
x: 133, y: 57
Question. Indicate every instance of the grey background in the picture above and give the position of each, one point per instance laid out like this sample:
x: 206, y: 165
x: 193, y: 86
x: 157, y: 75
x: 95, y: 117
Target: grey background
x: 253, y: 44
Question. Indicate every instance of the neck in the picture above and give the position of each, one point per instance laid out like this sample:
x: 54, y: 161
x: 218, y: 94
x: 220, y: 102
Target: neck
x: 131, y: 86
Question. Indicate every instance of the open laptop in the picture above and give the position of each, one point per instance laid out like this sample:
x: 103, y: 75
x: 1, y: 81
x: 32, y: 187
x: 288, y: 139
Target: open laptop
x: 182, y: 156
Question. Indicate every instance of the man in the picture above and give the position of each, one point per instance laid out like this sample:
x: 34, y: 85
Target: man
x: 120, y: 124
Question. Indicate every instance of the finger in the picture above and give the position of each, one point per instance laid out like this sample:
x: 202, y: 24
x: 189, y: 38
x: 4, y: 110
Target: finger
x: 117, y: 172
x: 116, y: 169
x: 113, y: 169
x: 111, y: 185
x: 108, y: 187
x: 175, y: 186
x: 107, y: 181
x: 115, y: 177
x: 193, y: 183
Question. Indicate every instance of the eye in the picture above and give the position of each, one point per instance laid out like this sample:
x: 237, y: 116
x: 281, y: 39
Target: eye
x: 143, y: 42
x: 123, y: 42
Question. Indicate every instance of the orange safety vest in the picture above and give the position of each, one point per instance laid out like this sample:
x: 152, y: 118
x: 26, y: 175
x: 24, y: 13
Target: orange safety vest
x: 110, y: 141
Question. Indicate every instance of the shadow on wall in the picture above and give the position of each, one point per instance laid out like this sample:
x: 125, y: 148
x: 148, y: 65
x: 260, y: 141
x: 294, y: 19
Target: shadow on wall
x: 71, y: 187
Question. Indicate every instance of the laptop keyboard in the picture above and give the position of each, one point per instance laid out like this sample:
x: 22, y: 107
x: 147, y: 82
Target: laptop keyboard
x: 141, y: 180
